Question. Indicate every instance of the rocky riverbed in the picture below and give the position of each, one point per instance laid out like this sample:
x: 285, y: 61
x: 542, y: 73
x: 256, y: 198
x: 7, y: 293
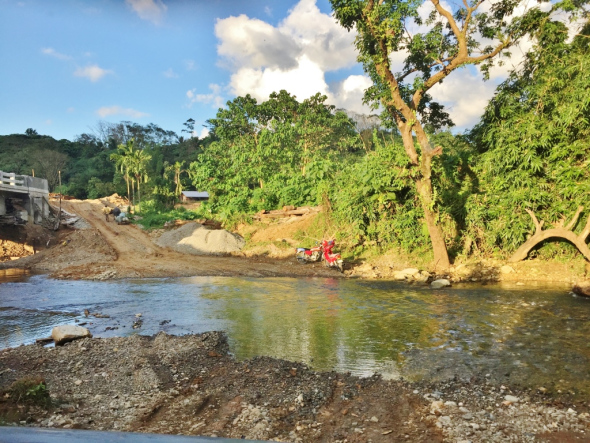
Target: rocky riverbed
x: 190, y: 385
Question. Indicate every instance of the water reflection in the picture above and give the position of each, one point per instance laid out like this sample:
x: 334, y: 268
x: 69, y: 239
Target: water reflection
x: 534, y: 337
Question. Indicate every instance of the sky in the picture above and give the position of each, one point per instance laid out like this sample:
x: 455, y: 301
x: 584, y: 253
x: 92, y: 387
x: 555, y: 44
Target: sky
x: 68, y: 64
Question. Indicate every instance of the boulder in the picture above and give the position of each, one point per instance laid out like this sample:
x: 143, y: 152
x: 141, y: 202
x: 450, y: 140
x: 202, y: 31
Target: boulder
x: 506, y: 269
x: 582, y: 288
x: 399, y: 275
x: 410, y: 271
x: 422, y: 277
x: 440, y: 283
x: 66, y: 333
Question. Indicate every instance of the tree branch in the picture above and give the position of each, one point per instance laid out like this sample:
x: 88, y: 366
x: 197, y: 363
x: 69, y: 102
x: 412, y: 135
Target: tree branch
x: 574, y: 220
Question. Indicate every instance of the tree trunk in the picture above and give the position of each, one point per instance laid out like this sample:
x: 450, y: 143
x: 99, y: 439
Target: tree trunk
x: 439, y: 247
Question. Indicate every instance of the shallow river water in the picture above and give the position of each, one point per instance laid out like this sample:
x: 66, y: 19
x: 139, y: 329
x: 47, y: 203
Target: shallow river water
x: 532, y: 336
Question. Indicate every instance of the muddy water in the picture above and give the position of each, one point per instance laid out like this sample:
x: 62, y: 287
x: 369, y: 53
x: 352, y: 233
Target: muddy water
x: 511, y: 334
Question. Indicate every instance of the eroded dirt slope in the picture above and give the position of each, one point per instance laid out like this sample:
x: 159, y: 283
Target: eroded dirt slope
x: 107, y: 250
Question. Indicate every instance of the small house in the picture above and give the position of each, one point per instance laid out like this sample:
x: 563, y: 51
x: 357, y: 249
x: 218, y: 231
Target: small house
x: 194, y: 196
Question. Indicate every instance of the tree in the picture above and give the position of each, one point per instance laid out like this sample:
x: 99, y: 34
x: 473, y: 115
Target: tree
x: 451, y: 39
x: 533, y: 140
x: 138, y: 167
x: 175, y: 169
x: 49, y: 164
x: 123, y: 160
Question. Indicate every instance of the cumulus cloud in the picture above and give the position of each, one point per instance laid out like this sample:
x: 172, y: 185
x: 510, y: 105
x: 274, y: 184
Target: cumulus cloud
x: 105, y: 111
x: 295, y: 55
x: 204, y: 133
x: 92, y: 72
x: 465, y: 95
x: 169, y: 73
x: 151, y: 10
x: 53, y: 53
x: 348, y: 94
x: 214, y: 97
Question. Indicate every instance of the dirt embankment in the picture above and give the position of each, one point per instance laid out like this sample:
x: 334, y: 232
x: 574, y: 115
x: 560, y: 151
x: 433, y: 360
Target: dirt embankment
x: 102, y: 249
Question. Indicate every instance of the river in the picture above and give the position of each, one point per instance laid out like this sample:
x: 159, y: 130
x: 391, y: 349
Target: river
x: 531, y: 336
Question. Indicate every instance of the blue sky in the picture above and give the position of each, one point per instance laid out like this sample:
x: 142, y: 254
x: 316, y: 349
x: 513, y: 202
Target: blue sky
x: 68, y: 64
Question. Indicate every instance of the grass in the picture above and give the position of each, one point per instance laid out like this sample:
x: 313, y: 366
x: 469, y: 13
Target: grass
x: 29, y: 391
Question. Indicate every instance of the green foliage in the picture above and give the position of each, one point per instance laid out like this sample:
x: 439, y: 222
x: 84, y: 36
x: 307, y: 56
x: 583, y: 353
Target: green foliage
x: 534, y: 147
x: 272, y: 154
x: 29, y: 391
x: 154, y: 215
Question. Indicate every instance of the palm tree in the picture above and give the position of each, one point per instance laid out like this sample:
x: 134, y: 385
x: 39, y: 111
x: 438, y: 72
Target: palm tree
x: 176, y: 169
x: 138, y: 168
x: 123, y: 161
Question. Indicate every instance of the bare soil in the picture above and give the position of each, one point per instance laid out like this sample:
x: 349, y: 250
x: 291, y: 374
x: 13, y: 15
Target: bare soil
x: 107, y: 250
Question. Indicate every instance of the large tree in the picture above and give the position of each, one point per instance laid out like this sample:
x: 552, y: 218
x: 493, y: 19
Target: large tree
x: 452, y: 36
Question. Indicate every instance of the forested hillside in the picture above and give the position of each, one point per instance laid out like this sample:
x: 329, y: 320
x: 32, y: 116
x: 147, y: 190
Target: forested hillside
x: 529, y: 152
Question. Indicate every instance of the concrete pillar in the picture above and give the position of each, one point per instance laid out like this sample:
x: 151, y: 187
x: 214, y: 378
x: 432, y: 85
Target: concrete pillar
x: 2, y: 204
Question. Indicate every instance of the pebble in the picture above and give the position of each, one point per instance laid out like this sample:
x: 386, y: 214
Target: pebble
x: 511, y: 398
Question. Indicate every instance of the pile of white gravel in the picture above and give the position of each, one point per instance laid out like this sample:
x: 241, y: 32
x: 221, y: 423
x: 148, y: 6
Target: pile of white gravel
x: 194, y: 238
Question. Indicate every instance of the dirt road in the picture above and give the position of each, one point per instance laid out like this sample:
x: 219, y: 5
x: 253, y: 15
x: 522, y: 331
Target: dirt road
x: 104, y: 250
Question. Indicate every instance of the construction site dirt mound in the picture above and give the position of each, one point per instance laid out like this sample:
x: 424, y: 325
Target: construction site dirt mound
x: 194, y: 238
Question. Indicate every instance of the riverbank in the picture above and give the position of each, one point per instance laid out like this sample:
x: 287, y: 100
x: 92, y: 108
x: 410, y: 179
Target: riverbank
x: 190, y: 385
x: 95, y: 249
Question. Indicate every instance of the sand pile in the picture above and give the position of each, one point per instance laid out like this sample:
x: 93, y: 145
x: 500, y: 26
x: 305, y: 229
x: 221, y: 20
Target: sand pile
x: 194, y: 238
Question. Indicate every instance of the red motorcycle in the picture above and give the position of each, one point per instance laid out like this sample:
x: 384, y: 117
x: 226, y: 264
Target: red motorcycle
x: 331, y: 260
x: 309, y: 254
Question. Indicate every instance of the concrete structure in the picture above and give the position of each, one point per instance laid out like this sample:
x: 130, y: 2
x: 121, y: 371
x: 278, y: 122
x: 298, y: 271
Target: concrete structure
x: 32, y: 191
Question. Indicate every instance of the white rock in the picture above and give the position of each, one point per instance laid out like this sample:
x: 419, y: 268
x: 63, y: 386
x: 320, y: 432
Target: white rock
x: 410, y: 271
x: 399, y: 275
x: 440, y: 283
x: 66, y: 333
x: 511, y: 398
x: 444, y: 420
x: 374, y: 419
x: 506, y: 269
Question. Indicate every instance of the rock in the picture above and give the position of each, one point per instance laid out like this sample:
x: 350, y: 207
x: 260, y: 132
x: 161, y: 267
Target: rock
x: 436, y: 407
x: 506, y: 269
x: 582, y: 288
x: 399, y: 276
x: 511, y: 398
x: 422, y: 277
x: 440, y: 283
x: 411, y: 272
x: 374, y: 419
x: 67, y: 333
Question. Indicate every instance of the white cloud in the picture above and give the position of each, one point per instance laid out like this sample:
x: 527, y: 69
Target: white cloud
x: 71, y: 109
x: 465, y: 95
x: 214, y: 97
x: 204, y: 133
x: 190, y: 65
x: 295, y: 55
x: 105, y: 111
x: 268, y: 11
x: 48, y: 122
x: 169, y: 73
x: 151, y: 10
x: 53, y: 53
x: 303, y: 80
x: 348, y: 94
x: 92, y: 72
